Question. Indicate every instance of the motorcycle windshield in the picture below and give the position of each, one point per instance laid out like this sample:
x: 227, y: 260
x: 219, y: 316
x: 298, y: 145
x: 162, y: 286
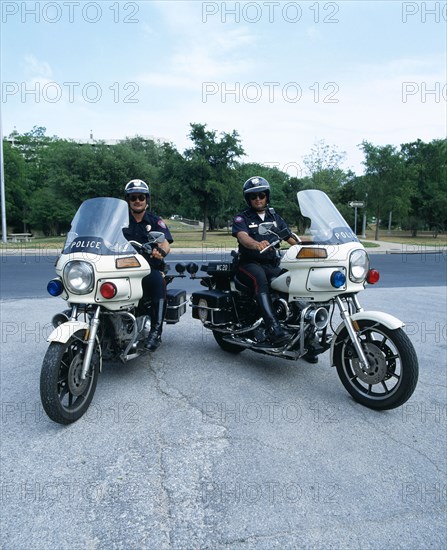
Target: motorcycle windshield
x: 325, y: 223
x: 97, y: 228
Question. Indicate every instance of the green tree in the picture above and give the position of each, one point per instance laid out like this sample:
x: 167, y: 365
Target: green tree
x: 428, y: 163
x: 30, y: 146
x: 324, y: 167
x: 50, y: 215
x: 388, y: 181
x: 16, y: 197
x: 173, y: 176
x: 210, y: 169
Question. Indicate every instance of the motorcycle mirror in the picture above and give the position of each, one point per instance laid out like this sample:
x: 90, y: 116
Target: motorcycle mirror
x: 158, y: 236
x: 264, y: 228
x: 180, y: 268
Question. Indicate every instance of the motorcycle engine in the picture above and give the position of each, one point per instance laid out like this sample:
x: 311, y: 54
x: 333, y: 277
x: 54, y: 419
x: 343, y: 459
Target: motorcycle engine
x: 281, y: 308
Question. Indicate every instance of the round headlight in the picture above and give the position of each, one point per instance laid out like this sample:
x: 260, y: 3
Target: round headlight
x: 358, y: 266
x: 79, y: 277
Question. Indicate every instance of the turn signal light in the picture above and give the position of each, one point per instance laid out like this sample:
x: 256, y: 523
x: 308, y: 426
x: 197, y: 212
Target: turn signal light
x: 308, y: 253
x: 373, y: 276
x: 108, y: 290
x: 123, y: 263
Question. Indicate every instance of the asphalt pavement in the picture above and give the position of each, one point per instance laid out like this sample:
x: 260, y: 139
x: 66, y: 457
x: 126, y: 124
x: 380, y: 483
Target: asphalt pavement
x: 194, y: 448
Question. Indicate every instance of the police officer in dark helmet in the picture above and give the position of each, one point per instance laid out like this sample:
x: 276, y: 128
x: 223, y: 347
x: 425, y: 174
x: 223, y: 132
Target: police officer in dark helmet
x: 141, y: 221
x: 256, y: 270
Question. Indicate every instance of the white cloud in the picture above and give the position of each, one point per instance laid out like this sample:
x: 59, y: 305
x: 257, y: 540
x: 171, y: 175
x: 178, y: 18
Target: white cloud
x: 199, y: 52
x: 37, y: 69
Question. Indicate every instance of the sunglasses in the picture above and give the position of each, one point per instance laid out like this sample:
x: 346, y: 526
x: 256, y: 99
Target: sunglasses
x: 254, y: 196
x: 140, y: 198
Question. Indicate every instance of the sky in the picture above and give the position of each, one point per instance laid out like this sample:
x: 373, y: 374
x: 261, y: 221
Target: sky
x: 285, y: 75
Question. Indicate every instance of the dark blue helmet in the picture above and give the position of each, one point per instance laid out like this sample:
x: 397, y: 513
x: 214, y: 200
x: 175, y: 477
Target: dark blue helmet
x: 256, y: 184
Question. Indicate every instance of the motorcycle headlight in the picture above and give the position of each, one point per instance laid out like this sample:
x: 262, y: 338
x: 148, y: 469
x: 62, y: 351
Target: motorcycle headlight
x: 79, y: 277
x: 358, y: 266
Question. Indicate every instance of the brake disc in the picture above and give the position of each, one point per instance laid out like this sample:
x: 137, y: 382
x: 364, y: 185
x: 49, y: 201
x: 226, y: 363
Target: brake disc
x: 377, y: 365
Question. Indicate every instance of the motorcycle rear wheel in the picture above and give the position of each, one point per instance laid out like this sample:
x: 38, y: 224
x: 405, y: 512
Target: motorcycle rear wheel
x: 226, y: 346
x: 65, y: 396
x: 393, y: 366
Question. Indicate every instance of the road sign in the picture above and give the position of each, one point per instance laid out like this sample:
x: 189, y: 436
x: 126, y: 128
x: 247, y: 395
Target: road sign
x: 356, y: 204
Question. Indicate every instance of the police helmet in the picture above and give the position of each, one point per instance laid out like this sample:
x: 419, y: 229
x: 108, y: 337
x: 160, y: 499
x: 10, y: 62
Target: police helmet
x: 256, y: 184
x: 136, y: 186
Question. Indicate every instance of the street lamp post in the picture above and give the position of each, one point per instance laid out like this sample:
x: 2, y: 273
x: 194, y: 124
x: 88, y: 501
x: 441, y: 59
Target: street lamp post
x: 355, y: 205
x: 2, y: 182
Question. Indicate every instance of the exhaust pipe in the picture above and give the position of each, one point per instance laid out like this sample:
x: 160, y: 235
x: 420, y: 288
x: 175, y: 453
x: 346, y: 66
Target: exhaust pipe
x: 318, y: 317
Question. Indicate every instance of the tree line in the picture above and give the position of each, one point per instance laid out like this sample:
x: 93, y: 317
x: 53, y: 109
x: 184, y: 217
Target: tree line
x: 47, y: 178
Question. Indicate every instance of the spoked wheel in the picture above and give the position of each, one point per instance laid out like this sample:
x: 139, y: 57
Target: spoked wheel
x: 392, y: 373
x: 65, y: 395
x: 226, y: 346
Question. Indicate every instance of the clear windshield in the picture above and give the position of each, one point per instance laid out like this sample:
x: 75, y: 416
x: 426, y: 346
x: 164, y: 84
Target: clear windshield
x: 327, y: 225
x: 98, y: 228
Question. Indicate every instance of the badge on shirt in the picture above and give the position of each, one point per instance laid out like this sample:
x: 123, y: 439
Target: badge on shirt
x: 238, y: 219
x: 161, y: 223
x: 148, y: 228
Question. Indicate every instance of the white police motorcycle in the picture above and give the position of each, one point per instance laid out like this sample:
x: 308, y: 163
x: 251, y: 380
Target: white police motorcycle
x: 322, y: 275
x: 99, y: 276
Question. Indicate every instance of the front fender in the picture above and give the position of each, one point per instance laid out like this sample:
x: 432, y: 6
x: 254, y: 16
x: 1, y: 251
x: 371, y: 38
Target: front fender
x: 389, y: 321
x: 65, y: 331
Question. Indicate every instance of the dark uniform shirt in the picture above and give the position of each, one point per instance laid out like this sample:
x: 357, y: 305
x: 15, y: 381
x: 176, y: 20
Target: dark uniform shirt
x: 139, y: 231
x: 249, y: 221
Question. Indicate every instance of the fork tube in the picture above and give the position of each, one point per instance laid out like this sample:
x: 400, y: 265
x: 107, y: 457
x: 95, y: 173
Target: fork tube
x: 357, y: 303
x: 94, y: 324
x: 351, y: 331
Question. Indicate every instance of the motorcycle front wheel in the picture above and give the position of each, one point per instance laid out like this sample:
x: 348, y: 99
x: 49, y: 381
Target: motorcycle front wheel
x: 65, y: 396
x: 392, y: 373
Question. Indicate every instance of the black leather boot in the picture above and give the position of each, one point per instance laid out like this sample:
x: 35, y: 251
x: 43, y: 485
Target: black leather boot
x: 158, y: 310
x: 275, y: 332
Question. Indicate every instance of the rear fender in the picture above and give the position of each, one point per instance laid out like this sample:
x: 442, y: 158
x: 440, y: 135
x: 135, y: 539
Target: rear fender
x: 389, y: 321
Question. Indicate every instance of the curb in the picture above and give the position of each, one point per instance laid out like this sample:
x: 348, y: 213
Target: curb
x: 215, y: 250
x: 382, y: 249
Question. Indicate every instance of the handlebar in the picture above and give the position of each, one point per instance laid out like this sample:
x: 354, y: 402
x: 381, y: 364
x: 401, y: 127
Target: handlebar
x: 150, y: 247
x: 274, y: 243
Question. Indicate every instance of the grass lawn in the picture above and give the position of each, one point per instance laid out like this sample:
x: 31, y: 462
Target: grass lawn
x: 184, y: 237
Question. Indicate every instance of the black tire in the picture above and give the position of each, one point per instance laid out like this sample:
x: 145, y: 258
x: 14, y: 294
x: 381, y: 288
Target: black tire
x: 393, y: 373
x: 226, y: 346
x: 65, y: 397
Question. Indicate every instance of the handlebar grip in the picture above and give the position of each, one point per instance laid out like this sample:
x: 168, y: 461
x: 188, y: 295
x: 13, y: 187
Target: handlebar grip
x: 274, y: 243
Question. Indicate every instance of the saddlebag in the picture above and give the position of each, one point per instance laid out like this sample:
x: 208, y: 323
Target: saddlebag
x: 176, y: 307
x: 212, y: 306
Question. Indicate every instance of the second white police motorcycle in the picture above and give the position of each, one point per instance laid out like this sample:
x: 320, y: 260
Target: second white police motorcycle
x: 321, y: 276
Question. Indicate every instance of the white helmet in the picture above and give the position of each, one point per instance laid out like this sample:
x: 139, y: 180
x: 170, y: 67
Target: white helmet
x: 136, y: 186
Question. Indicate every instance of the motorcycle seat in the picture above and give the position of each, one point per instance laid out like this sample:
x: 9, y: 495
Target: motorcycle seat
x: 241, y: 287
